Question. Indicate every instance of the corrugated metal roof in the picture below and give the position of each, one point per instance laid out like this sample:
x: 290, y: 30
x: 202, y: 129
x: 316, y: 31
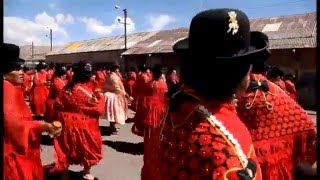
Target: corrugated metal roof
x: 167, y: 37
x: 104, y: 44
x: 284, y: 32
x: 294, y: 31
x: 309, y: 42
x: 39, y: 52
x: 292, y: 26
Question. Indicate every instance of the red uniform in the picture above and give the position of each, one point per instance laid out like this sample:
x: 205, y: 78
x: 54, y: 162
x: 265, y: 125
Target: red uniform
x: 57, y: 85
x: 80, y: 142
x: 39, y: 93
x: 100, y: 79
x: 69, y: 75
x: 50, y: 74
x: 139, y: 103
x: 282, y: 132
x: 172, y: 79
x: 157, y: 102
x: 280, y: 83
x: 291, y: 89
x: 21, y: 138
x: 203, y: 140
x: 26, y: 84
x: 132, y: 77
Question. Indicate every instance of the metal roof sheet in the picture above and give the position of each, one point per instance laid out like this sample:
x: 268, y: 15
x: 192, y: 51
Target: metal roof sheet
x: 284, y: 32
x: 39, y: 52
x: 104, y: 44
x: 293, y: 31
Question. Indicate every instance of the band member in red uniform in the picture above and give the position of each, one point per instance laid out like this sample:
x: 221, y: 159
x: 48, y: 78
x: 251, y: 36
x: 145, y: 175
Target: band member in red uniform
x: 283, y: 134
x: 39, y: 92
x: 100, y: 78
x: 78, y: 109
x: 22, y: 135
x: 275, y: 76
x: 69, y: 73
x: 157, y: 102
x: 58, y: 83
x: 202, y: 136
x: 290, y: 87
x: 93, y: 83
x: 50, y: 72
x: 172, y: 77
x: 139, y: 102
x: 26, y: 83
x: 131, y: 79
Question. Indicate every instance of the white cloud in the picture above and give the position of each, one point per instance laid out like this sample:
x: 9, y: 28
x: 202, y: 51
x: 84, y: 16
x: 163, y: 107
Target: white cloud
x: 95, y: 26
x: 23, y: 31
x: 62, y: 19
x: 159, y: 22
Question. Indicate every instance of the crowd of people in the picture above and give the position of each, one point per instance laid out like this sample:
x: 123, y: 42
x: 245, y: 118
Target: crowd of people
x: 230, y: 117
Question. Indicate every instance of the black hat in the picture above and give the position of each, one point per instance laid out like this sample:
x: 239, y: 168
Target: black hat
x: 275, y: 71
x: 60, y: 70
x: 83, y: 69
x: 12, y: 59
x: 222, y: 34
x: 289, y: 76
x: 114, y: 67
x: 41, y: 65
x: 259, y: 40
x: 157, y: 71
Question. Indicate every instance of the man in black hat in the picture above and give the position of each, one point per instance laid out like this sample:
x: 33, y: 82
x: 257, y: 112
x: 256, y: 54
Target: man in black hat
x: 21, y: 136
x: 202, y: 136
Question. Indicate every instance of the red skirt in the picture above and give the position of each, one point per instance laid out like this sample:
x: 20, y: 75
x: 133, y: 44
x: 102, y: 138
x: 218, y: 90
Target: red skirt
x: 141, y: 114
x: 129, y: 86
x: 151, y: 159
x: 38, y: 98
x: 23, y: 167
x: 80, y: 142
x: 50, y: 114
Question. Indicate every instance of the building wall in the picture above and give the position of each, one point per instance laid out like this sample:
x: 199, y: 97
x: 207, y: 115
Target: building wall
x: 166, y: 60
x: 302, y: 63
x: 91, y: 57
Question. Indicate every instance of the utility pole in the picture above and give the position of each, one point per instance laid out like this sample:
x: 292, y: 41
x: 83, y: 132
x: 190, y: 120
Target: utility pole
x: 125, y: 25
x: 51, y: 39
x: 125, y: 28
x: 32, y: 50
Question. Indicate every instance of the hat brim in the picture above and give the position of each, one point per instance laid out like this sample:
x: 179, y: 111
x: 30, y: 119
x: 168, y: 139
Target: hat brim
x: 182, y: 47
x: 15, y: 61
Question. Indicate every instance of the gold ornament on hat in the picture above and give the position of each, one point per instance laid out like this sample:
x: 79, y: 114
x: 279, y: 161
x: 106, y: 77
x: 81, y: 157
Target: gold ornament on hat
x: 233, y: 23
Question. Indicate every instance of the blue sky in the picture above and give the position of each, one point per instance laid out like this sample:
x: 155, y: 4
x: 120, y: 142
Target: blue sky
x: 74, y: 20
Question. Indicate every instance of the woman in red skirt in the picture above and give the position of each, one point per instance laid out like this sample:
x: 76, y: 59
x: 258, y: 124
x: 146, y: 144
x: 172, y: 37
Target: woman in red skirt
x: 79, y: 109
x: 157, y: 102
x: 131, y: 79
x: 58, y: 83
